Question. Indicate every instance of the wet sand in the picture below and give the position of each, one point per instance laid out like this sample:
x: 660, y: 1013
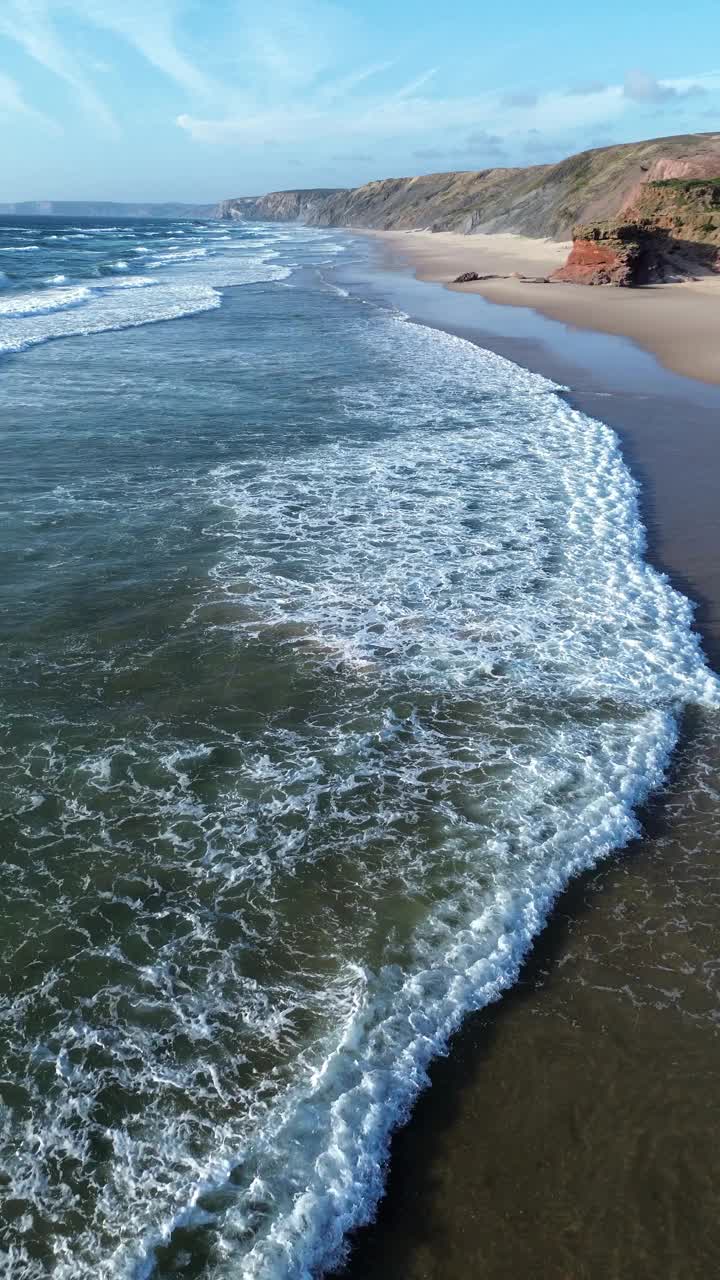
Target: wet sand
x: 678, y: 323
x: 571, y: 1132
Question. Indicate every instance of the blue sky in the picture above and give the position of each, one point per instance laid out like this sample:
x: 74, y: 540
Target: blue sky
x: 201, y: 99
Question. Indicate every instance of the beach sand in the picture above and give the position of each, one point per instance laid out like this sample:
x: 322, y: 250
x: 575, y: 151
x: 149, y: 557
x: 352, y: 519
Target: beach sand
x: 678, y: 323
x: 570, y: 1133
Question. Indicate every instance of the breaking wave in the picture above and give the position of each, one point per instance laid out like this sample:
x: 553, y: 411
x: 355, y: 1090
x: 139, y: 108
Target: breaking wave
x: 104, y: 302
x: 427, y: 677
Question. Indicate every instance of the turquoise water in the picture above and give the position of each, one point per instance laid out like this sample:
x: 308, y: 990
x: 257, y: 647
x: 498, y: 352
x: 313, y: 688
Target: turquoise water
x: 330, y: 653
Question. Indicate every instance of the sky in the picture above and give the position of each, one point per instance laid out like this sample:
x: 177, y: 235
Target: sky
x: 199, y: 100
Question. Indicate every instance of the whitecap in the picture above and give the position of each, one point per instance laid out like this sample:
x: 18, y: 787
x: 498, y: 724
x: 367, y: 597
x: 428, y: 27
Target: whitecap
x: 178, y: 255
x: 103, y: 310
x: 458, y: 568
x: 41, y: 302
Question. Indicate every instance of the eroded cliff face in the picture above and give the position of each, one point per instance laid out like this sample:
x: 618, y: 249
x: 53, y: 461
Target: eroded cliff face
x: 671, y: 231
x: 542, y: 201
x: 481, y: 200
x: 687, y: 208
x: 617, y: 253
x: 277, y: 206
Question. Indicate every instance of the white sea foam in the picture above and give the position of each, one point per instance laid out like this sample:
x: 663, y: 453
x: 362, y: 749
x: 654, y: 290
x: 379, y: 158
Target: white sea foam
x: 385, y: 589
x: 105, y: 304
x: 102, y: 310
x: 128, y: 282
x: 42, y: 302
x: 601, y: 625
x: 20, y: 248
x: 453, y: 564
x: 178, y: 255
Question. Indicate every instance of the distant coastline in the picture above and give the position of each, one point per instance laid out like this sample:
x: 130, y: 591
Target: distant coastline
x: 105, y: 209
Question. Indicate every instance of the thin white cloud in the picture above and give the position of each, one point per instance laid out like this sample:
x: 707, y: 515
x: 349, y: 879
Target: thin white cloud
x: 410, y: 90
x: 145, y: 25
x: 29, y: 24
x: 12, y: 103
x: 302, y: 75
x: 407, y: 113
x: 148, y: 26
x: 341, y: 88
x: 288, y: 45
x: 397, y: 114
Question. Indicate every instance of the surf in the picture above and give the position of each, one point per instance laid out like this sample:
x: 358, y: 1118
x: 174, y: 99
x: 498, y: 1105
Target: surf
x: 352, y: 658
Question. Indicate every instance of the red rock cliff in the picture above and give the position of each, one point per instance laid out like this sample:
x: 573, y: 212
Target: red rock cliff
x: 616, y: 253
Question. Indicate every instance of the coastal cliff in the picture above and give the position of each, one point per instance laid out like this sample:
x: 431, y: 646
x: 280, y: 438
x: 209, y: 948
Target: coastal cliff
x: 671, y: 230
x: 278, y: 206
x: 541, y: 201
x: 638, y: 212
x: 688, y: 208
x: 626, y: 254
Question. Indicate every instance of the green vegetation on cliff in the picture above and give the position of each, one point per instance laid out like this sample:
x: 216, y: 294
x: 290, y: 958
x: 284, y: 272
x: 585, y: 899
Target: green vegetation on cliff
x: 542, y: 201
x: 687, y: 207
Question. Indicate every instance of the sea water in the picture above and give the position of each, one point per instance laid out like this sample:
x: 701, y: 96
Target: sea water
x: 330, y: 653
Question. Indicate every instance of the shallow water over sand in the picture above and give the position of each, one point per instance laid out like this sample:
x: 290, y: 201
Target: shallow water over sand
x: 571, y: 1129
x: 329, y: 662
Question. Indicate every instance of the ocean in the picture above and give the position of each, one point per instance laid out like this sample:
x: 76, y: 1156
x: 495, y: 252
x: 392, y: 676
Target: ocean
x: 330, y: 654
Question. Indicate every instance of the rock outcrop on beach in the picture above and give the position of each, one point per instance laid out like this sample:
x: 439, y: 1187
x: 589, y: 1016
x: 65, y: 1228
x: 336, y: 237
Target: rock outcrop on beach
x: 671, y: 230
x: 627, y: 254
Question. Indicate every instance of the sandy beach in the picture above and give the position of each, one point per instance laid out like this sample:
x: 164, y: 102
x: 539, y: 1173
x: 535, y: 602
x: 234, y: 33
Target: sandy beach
x: 678, y: 323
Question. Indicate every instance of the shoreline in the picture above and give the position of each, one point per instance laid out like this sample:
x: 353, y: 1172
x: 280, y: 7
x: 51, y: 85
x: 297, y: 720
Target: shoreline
x: 677, y: 323
x: 548, y: 1130
x: 666, y: 422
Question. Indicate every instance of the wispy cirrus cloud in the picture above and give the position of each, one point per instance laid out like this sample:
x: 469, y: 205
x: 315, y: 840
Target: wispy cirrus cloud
x: 302, y: 74
x: 408, y: 112
x: 12, y: 103
x: 410, y: 90
x: 149, y: 27
x: 338, y: 89
x: 285, y: 46
x: 403, y: 113
x: 29, y: 23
